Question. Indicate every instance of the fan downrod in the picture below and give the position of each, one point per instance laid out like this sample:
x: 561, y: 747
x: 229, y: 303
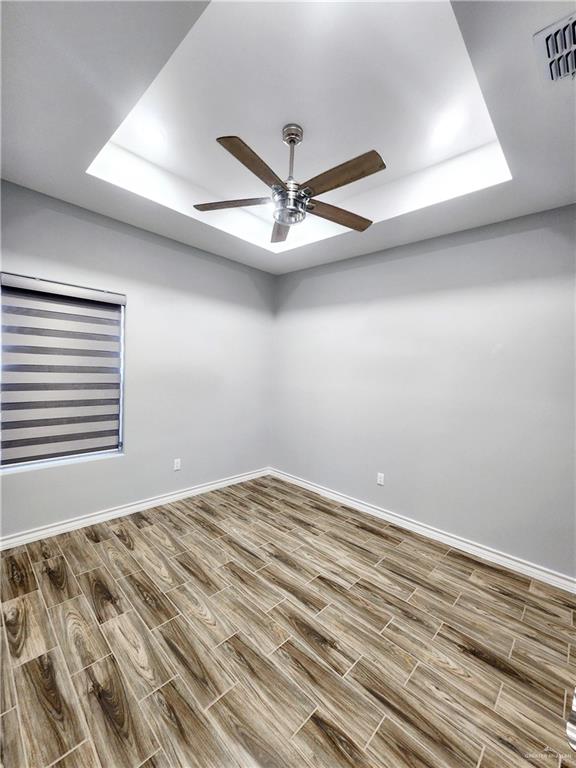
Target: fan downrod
x: 290, y: 202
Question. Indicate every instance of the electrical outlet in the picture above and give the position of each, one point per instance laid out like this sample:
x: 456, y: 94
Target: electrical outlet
x: 177, y: 465
x: 380, y: 478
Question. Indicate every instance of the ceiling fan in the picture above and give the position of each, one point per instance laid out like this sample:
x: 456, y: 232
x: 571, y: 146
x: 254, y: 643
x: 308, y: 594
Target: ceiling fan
x: 292, y: 201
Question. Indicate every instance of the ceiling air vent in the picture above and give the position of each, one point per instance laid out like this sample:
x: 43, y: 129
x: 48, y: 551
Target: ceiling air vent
x: 556, y: 46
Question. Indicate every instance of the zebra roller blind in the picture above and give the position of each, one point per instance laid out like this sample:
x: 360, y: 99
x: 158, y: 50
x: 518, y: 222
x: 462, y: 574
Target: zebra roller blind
x: 61, y: 389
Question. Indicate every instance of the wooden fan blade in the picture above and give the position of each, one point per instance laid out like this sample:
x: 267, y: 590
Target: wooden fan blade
x: 279, y: 233
x: 346, y: 173
x: 339, y: 215
x: 250, y: 159
x: 232, y: 203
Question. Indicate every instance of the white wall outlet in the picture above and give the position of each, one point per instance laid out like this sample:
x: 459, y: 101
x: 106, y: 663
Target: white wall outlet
x: 380, y: 478
x: 177, y: 465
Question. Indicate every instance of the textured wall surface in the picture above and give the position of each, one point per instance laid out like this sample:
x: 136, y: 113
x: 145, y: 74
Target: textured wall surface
x: 448, y: 365
x: 197, y: 359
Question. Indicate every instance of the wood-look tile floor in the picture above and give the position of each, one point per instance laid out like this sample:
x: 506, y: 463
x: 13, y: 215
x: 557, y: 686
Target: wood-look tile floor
x: 263, y: 626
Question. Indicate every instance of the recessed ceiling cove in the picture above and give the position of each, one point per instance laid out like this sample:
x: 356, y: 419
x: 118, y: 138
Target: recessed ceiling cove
x: 394, y: 77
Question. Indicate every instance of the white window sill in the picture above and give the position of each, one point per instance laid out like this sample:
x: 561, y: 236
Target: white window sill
x: 60, y: 462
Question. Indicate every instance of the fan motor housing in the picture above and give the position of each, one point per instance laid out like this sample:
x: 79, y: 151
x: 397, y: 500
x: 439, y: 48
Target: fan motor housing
x: 290, y: 203
x: 292, y: 134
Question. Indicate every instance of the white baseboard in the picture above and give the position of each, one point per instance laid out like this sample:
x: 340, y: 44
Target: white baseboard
x: 511, y: 562
x: 53, y: 529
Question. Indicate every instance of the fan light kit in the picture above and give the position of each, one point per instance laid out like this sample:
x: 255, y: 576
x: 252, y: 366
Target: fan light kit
x: 292, y: 201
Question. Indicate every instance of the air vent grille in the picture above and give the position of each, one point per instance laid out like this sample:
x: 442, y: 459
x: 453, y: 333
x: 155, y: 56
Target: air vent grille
x: 557, y: 44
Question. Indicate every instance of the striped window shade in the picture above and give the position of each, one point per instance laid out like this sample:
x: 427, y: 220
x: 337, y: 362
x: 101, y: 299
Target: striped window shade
x: 62, y: 353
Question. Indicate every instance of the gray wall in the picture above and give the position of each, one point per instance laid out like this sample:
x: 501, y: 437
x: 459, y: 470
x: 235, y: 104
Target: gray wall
x: 449, y: 366
x: 197, y: 362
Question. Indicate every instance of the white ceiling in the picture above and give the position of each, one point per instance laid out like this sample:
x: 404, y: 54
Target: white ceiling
x: 352, y: 74
x: 432, y: 95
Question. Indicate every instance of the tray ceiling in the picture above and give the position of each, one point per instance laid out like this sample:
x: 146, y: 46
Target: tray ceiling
x: 141, y: 90
x: 395, y: 77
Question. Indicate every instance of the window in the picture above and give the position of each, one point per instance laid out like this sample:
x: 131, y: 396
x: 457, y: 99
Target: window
x: 62, y: 354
